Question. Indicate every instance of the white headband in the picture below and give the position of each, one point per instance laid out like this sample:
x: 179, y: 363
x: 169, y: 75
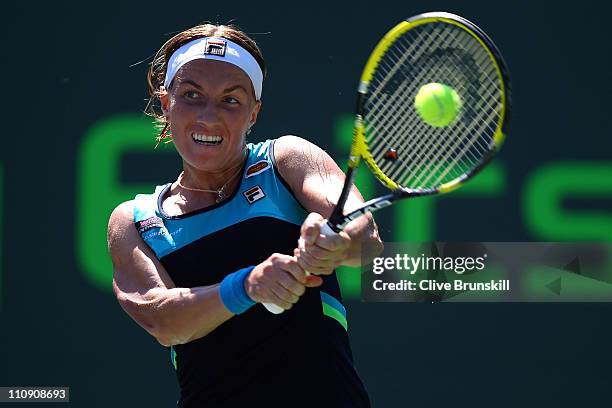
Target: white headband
x: 220, y: 49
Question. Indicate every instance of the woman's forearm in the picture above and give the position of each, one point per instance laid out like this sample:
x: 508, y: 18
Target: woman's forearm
x: 177, y: 315
x: 365, y: 241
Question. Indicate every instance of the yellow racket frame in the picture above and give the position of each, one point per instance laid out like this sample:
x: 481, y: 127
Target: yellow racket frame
x: 360, y: 149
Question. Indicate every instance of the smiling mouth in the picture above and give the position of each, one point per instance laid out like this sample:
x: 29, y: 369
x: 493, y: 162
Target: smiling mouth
x: 206, y: 140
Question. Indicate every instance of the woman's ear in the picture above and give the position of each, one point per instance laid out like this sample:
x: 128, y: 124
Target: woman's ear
x: 254, y: 113
x: 164, y: 99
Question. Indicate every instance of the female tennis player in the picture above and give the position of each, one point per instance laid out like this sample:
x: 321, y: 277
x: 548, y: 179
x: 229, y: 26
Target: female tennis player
x: 240, y: 225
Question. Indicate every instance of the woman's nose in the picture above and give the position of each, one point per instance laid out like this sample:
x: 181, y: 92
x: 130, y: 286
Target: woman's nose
x: 208, y: 114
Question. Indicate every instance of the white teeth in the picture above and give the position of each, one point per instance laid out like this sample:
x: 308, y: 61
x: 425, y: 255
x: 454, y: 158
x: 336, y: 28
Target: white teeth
x: 207, y: 139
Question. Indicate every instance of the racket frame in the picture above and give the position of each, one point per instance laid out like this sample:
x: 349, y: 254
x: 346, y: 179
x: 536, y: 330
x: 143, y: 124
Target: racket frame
x: 359, y: 148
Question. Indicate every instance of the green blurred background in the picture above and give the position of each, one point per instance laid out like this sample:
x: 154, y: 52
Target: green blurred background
x: 76, y: 144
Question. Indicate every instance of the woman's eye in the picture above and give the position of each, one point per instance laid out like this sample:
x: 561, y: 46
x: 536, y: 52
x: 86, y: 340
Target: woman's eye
x: 191, y: 95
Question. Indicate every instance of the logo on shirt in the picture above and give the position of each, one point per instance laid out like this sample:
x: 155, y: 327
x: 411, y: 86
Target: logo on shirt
x: 149, y: 223
x: 254, y: 194
x: 257, y: 168
x: 215, y: 47
x: 162, y: 232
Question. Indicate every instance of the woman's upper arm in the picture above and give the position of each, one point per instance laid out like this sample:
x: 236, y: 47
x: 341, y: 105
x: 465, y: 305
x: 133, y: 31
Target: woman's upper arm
x: 316, y: 181
x: 137, y: 273
x: 173, y: 315
x: 314, y: 177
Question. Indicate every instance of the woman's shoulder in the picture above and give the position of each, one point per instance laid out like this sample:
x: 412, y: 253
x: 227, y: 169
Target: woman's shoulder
x: 122, y: 214
x: 290, y: 143
x: 120, y: 227
x: 297, y: 154
x: 298, y: 159
x: 292, y: 150
x: 141, y: 206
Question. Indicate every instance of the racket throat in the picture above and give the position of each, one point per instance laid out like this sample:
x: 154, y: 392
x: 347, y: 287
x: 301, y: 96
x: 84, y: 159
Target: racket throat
x: 337, y: 216
x: 368, y: 207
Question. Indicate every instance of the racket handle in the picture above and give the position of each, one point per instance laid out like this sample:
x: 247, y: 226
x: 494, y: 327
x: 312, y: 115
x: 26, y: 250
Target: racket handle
x: 327, y: 231
x: 275, y: 309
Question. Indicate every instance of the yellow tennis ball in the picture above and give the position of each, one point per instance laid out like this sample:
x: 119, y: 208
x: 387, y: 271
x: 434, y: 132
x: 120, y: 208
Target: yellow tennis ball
x: 437, y: 104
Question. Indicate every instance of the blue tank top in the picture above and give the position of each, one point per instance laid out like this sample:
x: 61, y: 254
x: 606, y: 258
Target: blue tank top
x: 255, y: 356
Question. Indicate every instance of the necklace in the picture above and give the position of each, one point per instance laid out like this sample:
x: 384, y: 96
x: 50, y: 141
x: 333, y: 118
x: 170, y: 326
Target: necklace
x: 220, y: 192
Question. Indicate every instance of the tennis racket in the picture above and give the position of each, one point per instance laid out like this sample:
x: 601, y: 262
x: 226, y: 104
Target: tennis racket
x: 409, y: 156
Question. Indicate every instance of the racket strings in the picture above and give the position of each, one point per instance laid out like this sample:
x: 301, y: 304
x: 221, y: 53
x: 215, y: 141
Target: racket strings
x: 429, y: 156
x: 414, y: 142
x: 386, y: 116
x: 381, y: 105
x: 442, y: 152
x: 419, y: 122
x: 426, y: 153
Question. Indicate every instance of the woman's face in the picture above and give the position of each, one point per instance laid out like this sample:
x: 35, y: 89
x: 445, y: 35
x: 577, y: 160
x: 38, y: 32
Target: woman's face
x: 210, y: 106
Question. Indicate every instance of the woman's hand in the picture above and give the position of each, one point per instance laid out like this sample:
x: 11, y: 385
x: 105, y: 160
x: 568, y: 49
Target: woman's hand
x: 320, y: 254
x: 280, y: 280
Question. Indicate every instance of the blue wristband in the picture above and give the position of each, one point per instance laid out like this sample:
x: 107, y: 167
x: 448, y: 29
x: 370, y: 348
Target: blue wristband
x: 232, y: 292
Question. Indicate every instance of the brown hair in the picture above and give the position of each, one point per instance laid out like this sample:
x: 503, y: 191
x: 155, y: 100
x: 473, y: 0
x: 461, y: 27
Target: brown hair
x: 157, y: 71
